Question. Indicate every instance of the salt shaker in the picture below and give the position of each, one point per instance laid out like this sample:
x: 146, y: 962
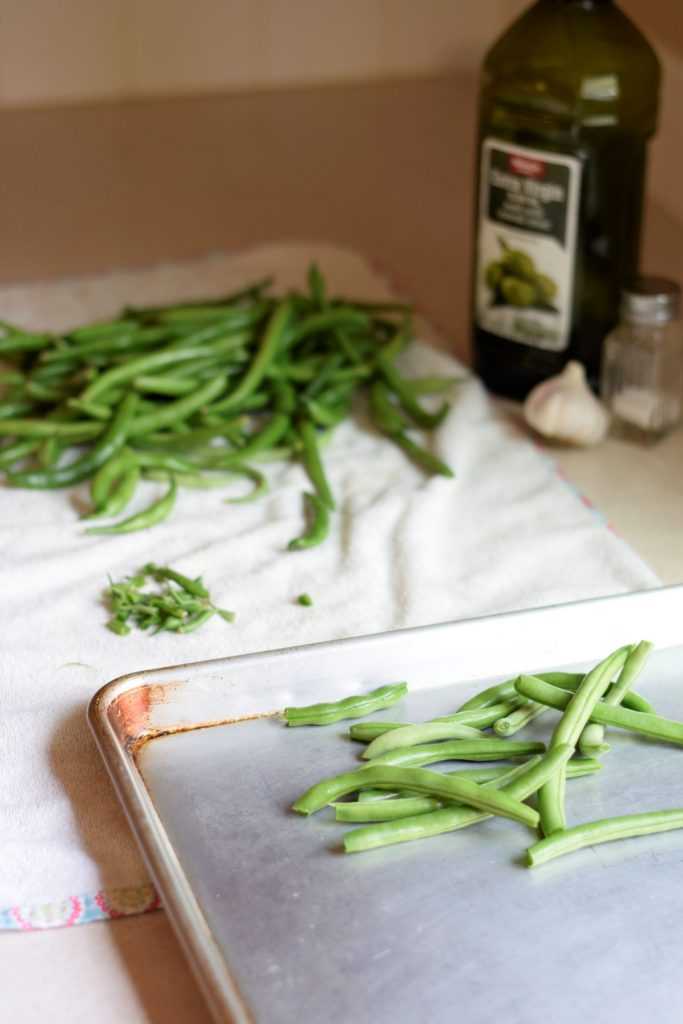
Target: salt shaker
x: 642, y: 368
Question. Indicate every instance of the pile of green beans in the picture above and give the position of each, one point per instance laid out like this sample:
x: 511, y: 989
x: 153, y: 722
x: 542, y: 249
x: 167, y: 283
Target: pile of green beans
x: 399, y: 800
x: 193, y: 394
x: 178, y: 604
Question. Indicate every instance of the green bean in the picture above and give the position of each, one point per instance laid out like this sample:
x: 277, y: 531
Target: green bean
x: 479, y: 719
x: 13, y: 453
x: 487, y: 749
x: 312, y: 462
x: 194, y: 438
x: 324, y: 415
x: 386, y: 806
x: 508, y: 725
x: 604, y: 831
x: 406, y: 396
x: 121, y: 495
x: 130, y: 340
x: 398, y: 807
x: 316, y: 287
x: 318, y: 528
x: 384, y: 413
x: 137, y: 367
x: 325, y: 321
x: 349, y: 707
x: 151, y: 516
x: 413, y: 735
x: 161, y: 572
x: 425, y: 459
x: 107, y: 475
x: 189, y: 625
x: 49, y: 452
x: 270, y: 344
x: 10, y: 410
x: 385, y: 810
x: 43, y: 392
x: 108, y: 445
x: 578, y: 712
x: 95, y: 410
x: 258, y: 490
x: 165, y: 385
x: 105, y: 329
x: 571, y: 681
x: 75, y: 432
x: 449, y: 819
x: 506, y: 691
x: 23, y: 342
x: 163, y: 460
x: 653, y: 726
x: 418, y: 780
x: 206, y: 314
x: 487, y: 773
x: 267, y: 437
x: 593, y: 735
x: 179, y: 409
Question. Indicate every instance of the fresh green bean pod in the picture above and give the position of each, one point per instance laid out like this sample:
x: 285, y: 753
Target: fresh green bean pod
x: 108, y: 445
x: 355, y: 706
x: 508, y: 725
x: 568, y: 730
x: 178, y: 410
x: 418, y: 780
x: 133, y: 368
x: 151, y: 516
x: 486, y: 749
x: 365, y: 732
x: 412, y: 735
x: 653, y: 726
x: 74, y: 432
x: 591, y: 741
x: 319, y: 526
x: 267, y: 351
x: 313, y: 463
x: 606, y: 830
x: 406, y: 396
x: 121, y: 495
x: 526, y: 781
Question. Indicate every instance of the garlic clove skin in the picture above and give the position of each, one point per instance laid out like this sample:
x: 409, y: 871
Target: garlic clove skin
x: 565, y: 408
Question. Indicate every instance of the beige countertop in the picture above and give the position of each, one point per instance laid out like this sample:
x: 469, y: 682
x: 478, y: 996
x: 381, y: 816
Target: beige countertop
x: 385, y: 169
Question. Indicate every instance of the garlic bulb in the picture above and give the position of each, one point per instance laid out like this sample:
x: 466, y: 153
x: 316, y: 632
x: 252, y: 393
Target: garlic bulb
x: 565, y: 408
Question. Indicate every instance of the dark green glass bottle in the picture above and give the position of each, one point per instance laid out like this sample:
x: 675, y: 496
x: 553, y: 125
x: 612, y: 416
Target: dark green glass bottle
x: 569, y: 100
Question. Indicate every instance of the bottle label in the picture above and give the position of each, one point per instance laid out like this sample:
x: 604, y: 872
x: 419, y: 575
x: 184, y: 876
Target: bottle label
x: 526, y: 246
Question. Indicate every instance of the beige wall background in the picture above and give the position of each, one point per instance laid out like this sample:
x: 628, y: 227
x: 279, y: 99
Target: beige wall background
x: 57, y: 51
x: 76, y: 51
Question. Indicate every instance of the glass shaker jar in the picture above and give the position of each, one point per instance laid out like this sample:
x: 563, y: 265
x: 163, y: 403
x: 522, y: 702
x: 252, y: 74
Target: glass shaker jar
x: 642, y: 369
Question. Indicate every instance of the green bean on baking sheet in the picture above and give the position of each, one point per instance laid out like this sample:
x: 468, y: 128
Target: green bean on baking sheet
x: 398, y: 800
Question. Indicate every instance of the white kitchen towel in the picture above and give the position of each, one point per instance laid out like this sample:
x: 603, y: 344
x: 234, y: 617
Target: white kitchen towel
x: 404, y: 550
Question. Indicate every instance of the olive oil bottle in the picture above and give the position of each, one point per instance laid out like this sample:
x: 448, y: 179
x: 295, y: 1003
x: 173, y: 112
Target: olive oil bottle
x: 569, y: 100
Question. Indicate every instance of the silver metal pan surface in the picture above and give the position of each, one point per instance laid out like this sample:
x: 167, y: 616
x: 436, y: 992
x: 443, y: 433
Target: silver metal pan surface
x: 281, y: 926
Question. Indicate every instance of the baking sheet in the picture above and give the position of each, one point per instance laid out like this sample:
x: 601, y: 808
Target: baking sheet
x: 281, y: 926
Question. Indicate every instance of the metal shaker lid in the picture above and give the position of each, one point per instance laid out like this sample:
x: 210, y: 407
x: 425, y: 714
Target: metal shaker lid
x: 651, y: 300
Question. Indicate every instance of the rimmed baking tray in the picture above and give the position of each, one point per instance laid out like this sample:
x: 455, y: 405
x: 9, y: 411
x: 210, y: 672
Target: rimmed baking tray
x: 279, y: 925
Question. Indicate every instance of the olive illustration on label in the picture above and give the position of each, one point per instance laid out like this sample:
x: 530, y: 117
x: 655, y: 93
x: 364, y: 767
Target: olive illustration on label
x: 514, y: 280
x: 516, y: 292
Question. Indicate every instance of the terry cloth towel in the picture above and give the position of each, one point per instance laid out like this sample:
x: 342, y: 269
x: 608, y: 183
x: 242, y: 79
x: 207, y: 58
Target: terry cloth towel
x: 404, y: 550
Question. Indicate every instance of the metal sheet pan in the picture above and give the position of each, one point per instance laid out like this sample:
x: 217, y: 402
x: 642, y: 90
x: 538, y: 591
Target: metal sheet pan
x: 280, y: 926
